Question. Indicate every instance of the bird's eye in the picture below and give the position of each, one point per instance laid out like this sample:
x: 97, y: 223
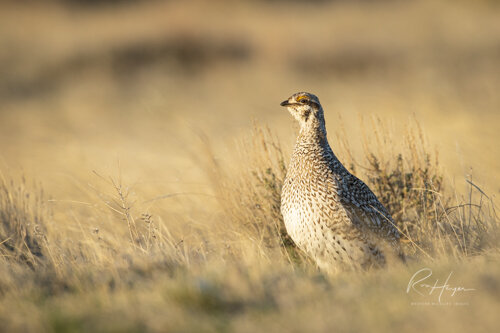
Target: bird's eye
x: 303, y: 100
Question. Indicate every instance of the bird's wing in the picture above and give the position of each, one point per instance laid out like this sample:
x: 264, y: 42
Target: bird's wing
x: 366, y: 211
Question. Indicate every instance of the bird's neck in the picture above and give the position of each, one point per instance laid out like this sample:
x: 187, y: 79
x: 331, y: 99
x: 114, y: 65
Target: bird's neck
x: 312, y: 140
x: 313, y: 131
x: 312, y: 144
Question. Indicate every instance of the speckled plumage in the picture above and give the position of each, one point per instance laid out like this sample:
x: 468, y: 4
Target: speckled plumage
x: 328, y: 212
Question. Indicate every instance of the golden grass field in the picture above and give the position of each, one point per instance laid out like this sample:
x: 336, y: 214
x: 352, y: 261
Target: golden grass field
x: 142, y: 151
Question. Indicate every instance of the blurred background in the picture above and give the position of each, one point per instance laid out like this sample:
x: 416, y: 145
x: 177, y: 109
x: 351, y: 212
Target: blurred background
x: 148, y: 201
x: 84, y: 84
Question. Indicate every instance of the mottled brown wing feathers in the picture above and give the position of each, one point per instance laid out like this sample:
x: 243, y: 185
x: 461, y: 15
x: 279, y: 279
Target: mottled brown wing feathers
x: 364, y: 210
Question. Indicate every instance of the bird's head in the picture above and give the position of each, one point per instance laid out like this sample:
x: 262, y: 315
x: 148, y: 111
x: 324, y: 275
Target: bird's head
x: 304, y: 107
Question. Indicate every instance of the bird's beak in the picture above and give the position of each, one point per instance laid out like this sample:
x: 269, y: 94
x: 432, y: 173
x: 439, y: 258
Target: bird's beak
x: 285, y: 103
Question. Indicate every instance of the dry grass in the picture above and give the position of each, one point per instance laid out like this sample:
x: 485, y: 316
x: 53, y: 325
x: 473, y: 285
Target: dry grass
x: 405, y: 173
x: 23, y: 215
x: 242, y: 272
x: 248, y: 187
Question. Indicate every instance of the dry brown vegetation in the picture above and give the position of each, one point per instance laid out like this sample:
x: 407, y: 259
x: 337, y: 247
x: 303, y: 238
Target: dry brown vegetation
x: 136, y: 194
